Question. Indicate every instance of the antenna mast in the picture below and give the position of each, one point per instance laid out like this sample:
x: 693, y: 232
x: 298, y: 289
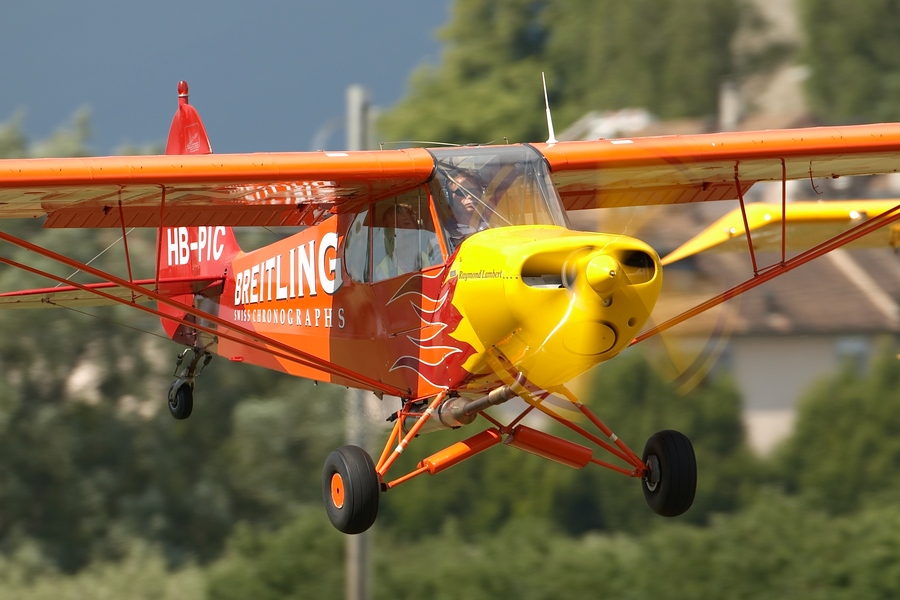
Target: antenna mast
x: 552, y: 139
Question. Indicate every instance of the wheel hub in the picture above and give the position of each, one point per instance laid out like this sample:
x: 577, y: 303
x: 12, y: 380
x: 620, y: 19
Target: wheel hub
x: 337, y: 490
x: 652, y: 478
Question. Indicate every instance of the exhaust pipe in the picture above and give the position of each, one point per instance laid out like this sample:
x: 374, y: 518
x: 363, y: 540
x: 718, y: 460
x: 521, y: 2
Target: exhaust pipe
x: 495, y: 397
x: 457, y: 412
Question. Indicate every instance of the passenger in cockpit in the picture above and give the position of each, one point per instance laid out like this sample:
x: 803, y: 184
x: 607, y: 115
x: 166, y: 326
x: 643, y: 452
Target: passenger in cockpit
x: 408, y: 247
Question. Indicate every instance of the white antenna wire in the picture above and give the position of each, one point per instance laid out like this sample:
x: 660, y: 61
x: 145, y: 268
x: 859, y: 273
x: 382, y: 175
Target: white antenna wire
x: 552, y: 139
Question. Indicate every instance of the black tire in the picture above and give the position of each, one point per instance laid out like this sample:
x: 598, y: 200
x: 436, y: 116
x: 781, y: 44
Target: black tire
x: 672, y: 483
x: 181, y: 400
x: 351, y: 489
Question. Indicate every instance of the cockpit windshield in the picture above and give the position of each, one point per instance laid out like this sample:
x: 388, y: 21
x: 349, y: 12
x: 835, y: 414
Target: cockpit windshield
x: 485, y: 187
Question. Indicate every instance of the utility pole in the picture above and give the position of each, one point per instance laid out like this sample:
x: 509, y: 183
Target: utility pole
x: 356, y: 560
x: 358, y: 110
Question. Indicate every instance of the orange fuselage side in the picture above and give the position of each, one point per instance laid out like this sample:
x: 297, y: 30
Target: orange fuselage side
x: 296, y: 292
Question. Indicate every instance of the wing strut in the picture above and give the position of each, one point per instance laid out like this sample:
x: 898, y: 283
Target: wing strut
x: 740, y: 193
x: 125, y: 243
x: 783, y: 211
x: 252, y: 339
x: 159, y: 232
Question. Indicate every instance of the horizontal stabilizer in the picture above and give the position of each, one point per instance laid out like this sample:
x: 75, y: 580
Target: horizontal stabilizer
x: 101, y: 294
x: 807, y: 224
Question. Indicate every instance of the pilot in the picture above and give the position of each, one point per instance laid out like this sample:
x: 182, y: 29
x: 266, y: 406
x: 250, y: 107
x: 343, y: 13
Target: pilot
x: 407, y: 247
x: 466, y: 201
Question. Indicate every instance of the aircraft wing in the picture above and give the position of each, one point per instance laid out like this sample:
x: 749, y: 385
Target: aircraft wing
x: 303, y: 188
x: 223, y: 189
x: 806, y: 224
x: 680, y: 168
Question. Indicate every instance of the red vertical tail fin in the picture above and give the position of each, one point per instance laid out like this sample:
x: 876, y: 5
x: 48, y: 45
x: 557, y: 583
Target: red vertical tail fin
x: 187, y: 135
x: 191, y: 252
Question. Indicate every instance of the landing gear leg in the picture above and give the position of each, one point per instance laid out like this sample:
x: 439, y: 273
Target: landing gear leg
x: 181, y: 392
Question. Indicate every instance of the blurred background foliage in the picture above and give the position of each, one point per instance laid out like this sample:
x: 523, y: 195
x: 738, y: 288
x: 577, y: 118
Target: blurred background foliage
x: 102, y: 494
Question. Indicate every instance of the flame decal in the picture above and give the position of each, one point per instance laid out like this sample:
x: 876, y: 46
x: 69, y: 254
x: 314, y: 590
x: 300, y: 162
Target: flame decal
x: 431, y: 327
x: 431, y: 345
x: 416, y: 286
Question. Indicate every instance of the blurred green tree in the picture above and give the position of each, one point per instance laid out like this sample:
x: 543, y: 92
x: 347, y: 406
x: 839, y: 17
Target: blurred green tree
x: 846, y: 440
x: 853, y: 52
x: 669, y: 57
x: 68, y: 140
x: 303, y: 559
x: 142, y: 574
x: 13, y: 143
x: 488, y: 84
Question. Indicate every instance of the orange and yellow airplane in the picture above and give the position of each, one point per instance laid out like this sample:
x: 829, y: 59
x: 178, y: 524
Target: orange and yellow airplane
x: 449, y: 278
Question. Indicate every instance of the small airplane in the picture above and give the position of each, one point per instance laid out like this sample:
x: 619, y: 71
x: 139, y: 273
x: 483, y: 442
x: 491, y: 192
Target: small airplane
x: 449, y: 278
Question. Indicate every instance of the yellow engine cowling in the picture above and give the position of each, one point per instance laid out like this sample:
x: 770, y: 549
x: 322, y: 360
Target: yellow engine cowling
x: 552, y: 301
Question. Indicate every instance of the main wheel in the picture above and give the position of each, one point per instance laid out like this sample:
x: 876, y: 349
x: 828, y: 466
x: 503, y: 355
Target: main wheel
x: 670, y: 486
x: 181, y: 400
x: 351, y: 489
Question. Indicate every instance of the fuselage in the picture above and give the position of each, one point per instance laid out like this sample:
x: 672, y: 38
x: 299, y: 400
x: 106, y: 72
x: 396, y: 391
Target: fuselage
x: 460, y: 284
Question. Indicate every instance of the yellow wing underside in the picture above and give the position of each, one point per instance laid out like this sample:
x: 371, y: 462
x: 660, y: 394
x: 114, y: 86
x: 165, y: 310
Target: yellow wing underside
x: 806, y: 224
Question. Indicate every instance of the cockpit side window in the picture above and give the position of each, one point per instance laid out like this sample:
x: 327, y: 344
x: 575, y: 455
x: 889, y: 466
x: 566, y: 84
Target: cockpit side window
x: 403, y: 236
x: 391, y: 238
x: 356, y: 248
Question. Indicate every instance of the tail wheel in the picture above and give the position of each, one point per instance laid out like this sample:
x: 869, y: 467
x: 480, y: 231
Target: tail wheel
x: 672, y: 481
x: 181, y: 400
x: 351, y: 489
